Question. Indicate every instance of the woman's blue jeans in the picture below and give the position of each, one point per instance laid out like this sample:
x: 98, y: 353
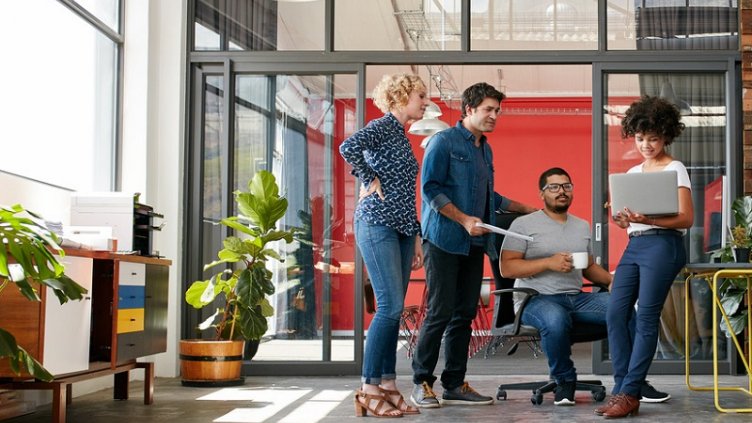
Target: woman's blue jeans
x: 645, y: 273
x: 388, y: 258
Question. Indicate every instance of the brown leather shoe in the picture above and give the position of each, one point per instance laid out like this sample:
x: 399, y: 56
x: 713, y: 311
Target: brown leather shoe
x: 603, y: 408
x: 624, y: 405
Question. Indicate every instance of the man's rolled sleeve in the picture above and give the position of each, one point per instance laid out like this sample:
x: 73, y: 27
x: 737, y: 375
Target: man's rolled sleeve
x: 439, y: 201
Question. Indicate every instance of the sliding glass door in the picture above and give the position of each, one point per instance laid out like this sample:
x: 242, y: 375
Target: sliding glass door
x: 289, y: 123
x: 703, y: 99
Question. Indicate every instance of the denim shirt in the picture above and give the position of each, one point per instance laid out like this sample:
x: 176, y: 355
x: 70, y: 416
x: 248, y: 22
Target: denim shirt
x: 381, y: 149
x: 448, y: 176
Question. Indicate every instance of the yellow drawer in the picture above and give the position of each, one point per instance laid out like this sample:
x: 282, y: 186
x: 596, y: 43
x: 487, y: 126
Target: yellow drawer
x: 130, y: 320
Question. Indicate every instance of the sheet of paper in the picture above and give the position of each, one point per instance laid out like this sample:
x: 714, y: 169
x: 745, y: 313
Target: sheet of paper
x: 505, y: 232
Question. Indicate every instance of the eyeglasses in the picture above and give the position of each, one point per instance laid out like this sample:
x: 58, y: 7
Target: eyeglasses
x: 557, y: 187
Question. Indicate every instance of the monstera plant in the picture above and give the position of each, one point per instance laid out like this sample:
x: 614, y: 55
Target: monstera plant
x: 28, y: 263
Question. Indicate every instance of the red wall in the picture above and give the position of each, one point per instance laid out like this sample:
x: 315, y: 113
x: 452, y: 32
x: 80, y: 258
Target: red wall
x: 531, y: 136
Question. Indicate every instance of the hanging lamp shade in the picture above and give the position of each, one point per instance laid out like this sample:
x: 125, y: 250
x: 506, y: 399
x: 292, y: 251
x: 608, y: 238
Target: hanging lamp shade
x: 426, y: 140
x: 427, y: 126
x: 667, y: 92
x: 432, y: 110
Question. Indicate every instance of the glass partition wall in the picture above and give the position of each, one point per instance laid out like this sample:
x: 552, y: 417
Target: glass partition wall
x: 301, y: 73
x: 702, y: 100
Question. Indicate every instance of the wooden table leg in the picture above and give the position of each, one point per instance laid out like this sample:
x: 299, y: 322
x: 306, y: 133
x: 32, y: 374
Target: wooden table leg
x: 120, y: 391
x: 59, y: 402
x: 148, y: 382
x: 68, y: 393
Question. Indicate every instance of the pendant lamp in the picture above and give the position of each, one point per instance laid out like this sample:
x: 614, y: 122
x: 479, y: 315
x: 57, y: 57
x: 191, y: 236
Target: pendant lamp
x: 432, y: 110
x: 427, y: 126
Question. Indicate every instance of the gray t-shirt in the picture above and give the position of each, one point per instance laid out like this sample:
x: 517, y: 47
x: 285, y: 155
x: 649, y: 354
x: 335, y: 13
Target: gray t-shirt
x: 549, y: 237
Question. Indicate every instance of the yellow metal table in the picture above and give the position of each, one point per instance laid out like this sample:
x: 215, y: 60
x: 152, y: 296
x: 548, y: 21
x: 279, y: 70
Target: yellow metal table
x: 712, y: 273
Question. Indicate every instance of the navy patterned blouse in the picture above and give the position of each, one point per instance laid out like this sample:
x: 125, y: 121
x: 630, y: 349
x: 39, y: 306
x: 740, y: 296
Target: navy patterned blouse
x: 382, y: 149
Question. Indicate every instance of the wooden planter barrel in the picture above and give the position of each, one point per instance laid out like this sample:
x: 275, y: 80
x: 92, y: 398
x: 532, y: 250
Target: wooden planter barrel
x: 211, y: 363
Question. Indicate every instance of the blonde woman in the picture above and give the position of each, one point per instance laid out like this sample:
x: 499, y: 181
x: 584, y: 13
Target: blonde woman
x: 387, y: 232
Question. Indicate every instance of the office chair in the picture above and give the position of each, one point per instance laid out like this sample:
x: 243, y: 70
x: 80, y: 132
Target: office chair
x: 517, y: 333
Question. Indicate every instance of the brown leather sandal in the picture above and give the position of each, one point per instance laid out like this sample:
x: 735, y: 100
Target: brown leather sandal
x: 398, y: 401
x: 383, y: 408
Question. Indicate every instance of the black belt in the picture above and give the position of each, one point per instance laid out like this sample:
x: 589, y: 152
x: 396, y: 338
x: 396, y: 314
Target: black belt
x: 672, y: 232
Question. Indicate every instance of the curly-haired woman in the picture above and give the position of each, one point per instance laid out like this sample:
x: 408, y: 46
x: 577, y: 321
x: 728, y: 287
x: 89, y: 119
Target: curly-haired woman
x: 654, y: 256
x: 387, y: 232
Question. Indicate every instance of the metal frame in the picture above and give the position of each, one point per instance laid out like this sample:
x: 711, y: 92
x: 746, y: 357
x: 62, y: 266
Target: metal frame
x: 334, y: 62
x: 600, y: 178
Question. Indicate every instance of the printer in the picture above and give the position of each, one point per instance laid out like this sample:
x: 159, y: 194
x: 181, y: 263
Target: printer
x: 132, y: 223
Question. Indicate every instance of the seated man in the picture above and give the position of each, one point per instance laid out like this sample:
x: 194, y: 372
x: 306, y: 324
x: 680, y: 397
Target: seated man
x: 545, y: 264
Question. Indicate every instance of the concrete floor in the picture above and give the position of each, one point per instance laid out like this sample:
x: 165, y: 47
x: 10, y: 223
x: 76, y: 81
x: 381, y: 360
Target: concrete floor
x: 330, y: 399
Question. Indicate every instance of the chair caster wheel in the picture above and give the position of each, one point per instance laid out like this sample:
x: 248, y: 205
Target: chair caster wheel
x: 501, y: 395
x: 599, y: 395
x: 537, y: 399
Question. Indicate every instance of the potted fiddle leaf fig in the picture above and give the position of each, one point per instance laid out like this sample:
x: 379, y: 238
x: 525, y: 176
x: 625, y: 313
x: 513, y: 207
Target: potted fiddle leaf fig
x: 238, y: 292
x: 28, y: 263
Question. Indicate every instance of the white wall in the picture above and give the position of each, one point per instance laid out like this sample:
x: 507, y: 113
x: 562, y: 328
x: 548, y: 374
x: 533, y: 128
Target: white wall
x: 152, y: 155
x: 153, y: 132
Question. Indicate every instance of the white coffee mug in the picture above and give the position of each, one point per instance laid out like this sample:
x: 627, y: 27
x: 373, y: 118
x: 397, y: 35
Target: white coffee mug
x: 580, y: 260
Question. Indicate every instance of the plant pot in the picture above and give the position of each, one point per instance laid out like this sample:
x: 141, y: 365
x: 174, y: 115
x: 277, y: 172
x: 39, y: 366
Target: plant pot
x: 211, y: 363
x: 741, y: 254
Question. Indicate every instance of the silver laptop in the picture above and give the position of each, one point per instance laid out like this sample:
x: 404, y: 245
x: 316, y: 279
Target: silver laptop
x: 650, y: 193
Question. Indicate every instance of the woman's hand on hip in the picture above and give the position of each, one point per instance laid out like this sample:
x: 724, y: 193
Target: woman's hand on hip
x: 374, y: 186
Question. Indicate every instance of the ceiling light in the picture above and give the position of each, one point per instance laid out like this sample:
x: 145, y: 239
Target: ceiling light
x: 426, y: 140
x: 427, y: 126
x: 432, y: 110
x: 667, y: 92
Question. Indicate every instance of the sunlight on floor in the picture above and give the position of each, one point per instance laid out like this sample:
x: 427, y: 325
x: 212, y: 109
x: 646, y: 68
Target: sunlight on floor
x: 267, y: 403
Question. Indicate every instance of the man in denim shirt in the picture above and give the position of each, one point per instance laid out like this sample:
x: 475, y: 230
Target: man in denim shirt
x: 458, y: 193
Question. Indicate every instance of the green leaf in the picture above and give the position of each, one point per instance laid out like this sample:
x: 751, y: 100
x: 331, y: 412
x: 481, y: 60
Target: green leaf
x: 738, y: 323
x: 276, y: 208
x: 229, y: 256
x: 742, y: 208
x: 19, y: 359
x: 65, y: 288
x: 276, y: 236
x: 206, y: 324
x: 252, y: 324
x: 731, y: 299
x: 264, y: 185
x: 234, y: 223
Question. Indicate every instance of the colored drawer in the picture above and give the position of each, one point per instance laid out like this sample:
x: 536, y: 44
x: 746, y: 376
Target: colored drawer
x: 132, y: 273
x: 130, y: 320
x: 131, y: 296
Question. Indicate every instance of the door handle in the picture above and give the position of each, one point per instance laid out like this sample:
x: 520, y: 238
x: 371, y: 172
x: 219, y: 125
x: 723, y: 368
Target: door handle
x: 598, y: 232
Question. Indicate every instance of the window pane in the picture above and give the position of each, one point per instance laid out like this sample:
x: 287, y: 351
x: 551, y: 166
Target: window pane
x: 673, y: 25
x: 107, y: 11
x: 402, y: 25
x: 259, y: 25
x: 252, y: 117
x: 538, y: 25
x: 206, y: 39
x: 59, y: 103
x: 302, y: 119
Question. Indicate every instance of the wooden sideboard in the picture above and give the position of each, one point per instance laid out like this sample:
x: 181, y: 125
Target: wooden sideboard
x: 123, y: 317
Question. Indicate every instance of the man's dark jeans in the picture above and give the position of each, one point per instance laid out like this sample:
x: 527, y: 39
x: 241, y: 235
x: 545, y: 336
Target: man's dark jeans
x: 453, y: 283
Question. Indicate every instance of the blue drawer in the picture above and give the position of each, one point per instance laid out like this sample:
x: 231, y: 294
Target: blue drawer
x: 131, y: 296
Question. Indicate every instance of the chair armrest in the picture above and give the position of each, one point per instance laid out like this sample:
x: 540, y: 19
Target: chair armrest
x: 597, y: 287
x: 529, y: 293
